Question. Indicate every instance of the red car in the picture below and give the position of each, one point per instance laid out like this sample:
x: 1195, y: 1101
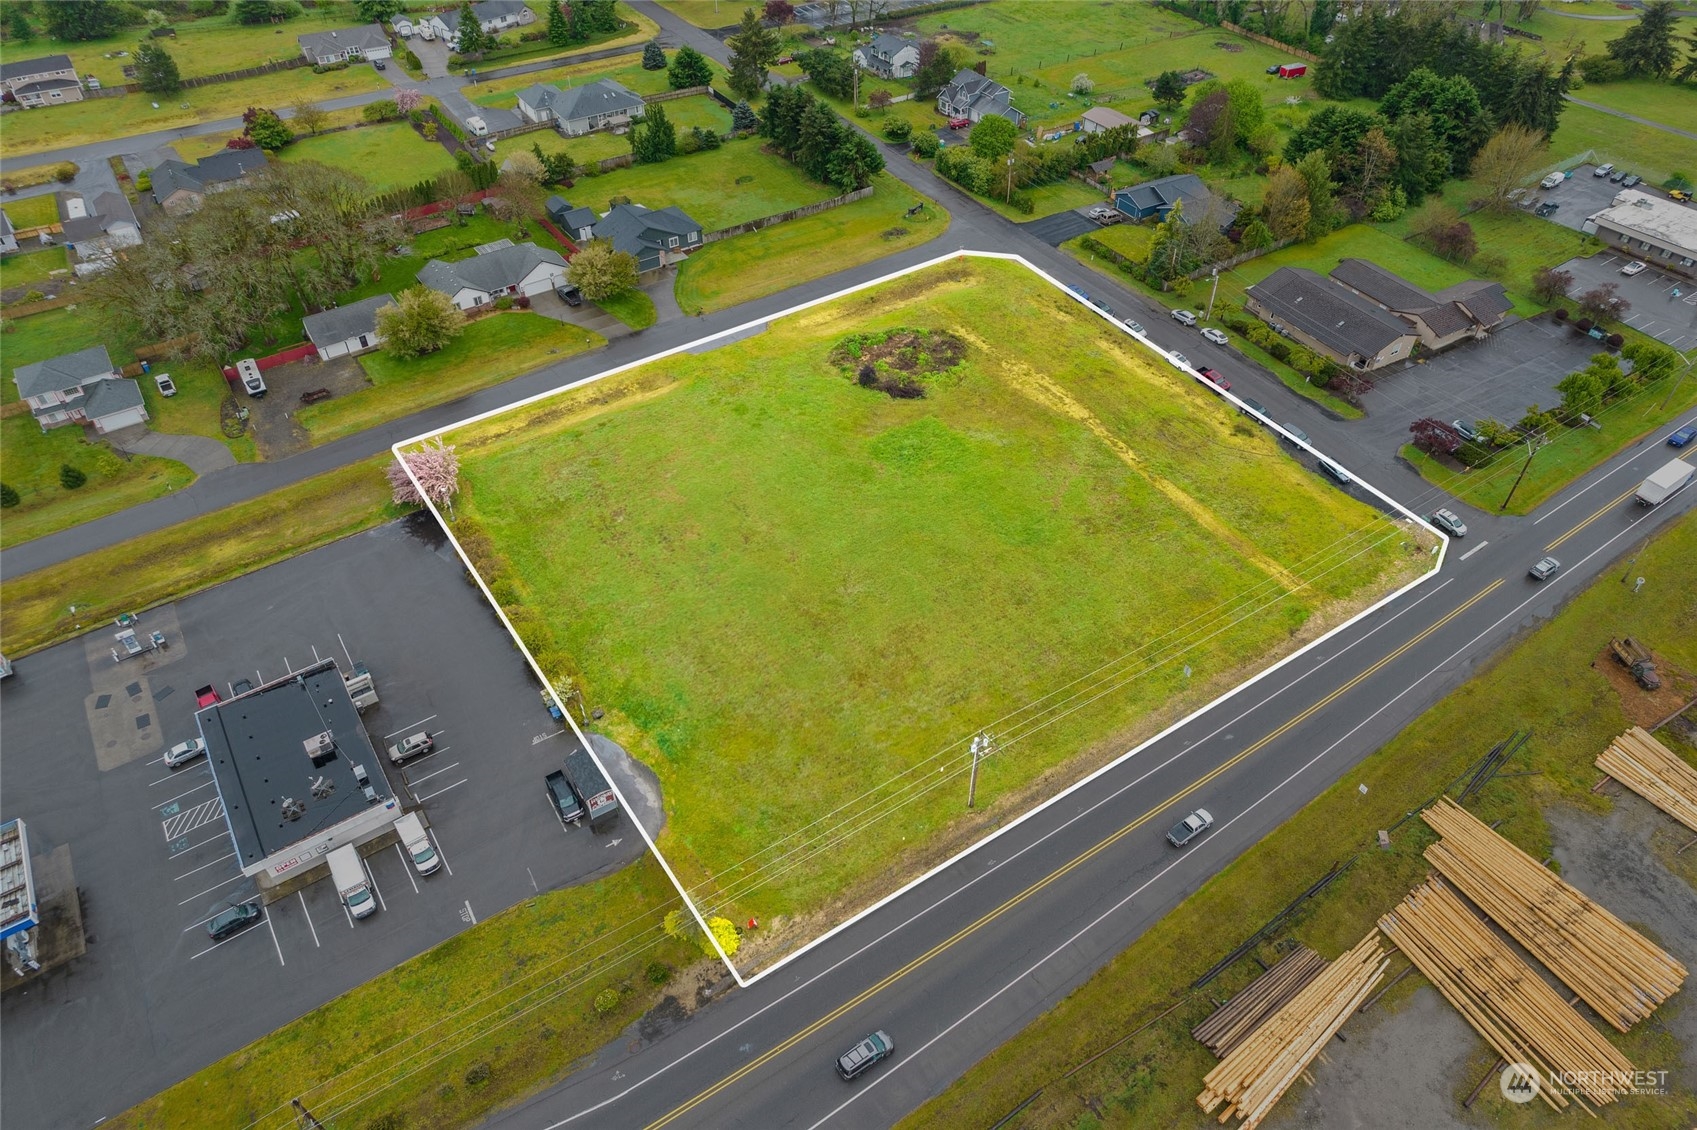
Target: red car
x: 1216, y: 377
x: 959, y: 123
x: 206, y: 696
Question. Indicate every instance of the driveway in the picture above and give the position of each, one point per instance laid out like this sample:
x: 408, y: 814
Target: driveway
x: 199, y: 453
x: 1664, y: 306
x: 1057, y: 229
x: 433, y: 54
x: 588, y: 316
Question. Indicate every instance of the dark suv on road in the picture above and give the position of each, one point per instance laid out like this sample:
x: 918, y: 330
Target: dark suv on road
x: 854, y: 1062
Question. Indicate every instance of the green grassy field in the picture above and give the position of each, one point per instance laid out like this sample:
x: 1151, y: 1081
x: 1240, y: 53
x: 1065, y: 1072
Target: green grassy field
x: 1652, y: 153
x: 492, y: 349
x: 626, y: 70
x: 387, y: 156
x: 29, y: 463
x: 755, y: 264
x: 705, y: 185
x: 682, y: 113
x: 33, y: 211
x: 28, y: 268
x: 634, y: 308
x: 1670, y: 103
x: 1547, y: 684
x: 704, y: 13
x: 752, y: 511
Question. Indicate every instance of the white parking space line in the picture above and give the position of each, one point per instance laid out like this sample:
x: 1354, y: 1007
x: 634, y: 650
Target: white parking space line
x: 1474, y: 550
x: 274, y: 940
x: 181, y: 823
x: 345, y: 650
x: 439, y: 792
x: 375, y: 889
x: 309, y: 924
x: 436, y: 773
x: 437, y: 840
x: 197, y: 847
x: 406, y: 862
x: 180, y: 796
x: 413, y: 727
x: 204, y: 866
x: 209, y: 890
x: 210, y: 917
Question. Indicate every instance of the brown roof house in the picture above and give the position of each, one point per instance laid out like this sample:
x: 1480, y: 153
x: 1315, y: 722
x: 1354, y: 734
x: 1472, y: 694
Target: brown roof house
x: 1466, y: 311
x: 1331, y: 319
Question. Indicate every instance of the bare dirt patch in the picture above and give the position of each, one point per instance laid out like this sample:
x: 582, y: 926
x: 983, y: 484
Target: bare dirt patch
x: 273, y: 419
x: 1642, y: 707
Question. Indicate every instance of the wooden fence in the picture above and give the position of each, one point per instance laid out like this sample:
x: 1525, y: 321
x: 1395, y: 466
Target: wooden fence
x: 206, y: 80
x: 792, y: 214
x: 1269, y: 41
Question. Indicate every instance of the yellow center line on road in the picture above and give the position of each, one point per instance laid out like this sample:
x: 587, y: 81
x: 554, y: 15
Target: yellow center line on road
x: 1598, y: 513
x: 1077, y: 861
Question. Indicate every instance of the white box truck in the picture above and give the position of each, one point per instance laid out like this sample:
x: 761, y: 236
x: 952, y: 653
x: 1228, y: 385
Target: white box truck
x: 348, y: 874
x: 416, y: 844
x: 1665, y: 483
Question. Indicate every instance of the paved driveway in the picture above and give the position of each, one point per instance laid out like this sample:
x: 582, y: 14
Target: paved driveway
x: 1062, y: 226
x: 1664, y: 306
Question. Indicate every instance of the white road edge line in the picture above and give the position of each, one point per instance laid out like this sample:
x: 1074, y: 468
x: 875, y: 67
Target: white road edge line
x: 1474, y: 550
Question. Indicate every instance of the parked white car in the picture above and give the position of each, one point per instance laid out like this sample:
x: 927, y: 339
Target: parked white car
x: 1218, y: 337
x: 1632, y: 268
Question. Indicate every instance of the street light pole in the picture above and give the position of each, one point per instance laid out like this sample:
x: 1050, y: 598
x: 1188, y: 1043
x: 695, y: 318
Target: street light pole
x: 1209, y: 316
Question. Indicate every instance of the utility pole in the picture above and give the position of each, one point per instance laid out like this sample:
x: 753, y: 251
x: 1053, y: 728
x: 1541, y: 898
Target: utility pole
x: 306, y: 1118
x: 1531, y: 450
x: 981, y: 748
x: 1209, y: 316
x: 1010, y: 179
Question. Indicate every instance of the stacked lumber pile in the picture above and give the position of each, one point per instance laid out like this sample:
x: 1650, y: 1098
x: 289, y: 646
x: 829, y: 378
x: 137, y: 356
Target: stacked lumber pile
x: 1647, y: 767
x: 1513, y: 1008
x: 1233, y: 1022
x: 1613, y: 968
x: 1251, y: 1079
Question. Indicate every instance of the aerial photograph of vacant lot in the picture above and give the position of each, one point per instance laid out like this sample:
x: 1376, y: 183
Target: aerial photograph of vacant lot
x: 802, y: 572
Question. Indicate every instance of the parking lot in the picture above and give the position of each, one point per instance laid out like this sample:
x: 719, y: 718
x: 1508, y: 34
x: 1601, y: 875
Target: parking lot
x: 1581, y: 195
x: 1664, y: 306
x: 154, y: 998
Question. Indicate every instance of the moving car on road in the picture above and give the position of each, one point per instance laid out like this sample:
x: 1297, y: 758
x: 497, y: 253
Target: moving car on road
x: 1450, y: 522
x: 1683, y: 436
x: 1545, y: 569
x: 854, y: 1062
x: 1190, y: 827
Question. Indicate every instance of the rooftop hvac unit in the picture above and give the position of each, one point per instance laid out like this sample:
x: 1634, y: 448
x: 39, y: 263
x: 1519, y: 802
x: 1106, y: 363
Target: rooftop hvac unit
x: 322, y: 787
x: 293, y: 809
x: 321, y: 748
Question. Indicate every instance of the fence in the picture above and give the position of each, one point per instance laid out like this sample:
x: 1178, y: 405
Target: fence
x: 792, y: 214
x: 206, y: 80
x: 565, y: 240
x: 526, y: 127
x: 668, y: 95
x: 623, y: 160
x: 288, y: 356
x: 1228, y: 264
x: 1269, y: 41
x: 25, y: 309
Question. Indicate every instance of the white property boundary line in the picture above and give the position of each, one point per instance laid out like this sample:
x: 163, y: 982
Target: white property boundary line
x: 759, y: 323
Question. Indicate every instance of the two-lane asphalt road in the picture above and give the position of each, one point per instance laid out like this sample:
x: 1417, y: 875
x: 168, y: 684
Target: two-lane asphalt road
x: 958, y: 964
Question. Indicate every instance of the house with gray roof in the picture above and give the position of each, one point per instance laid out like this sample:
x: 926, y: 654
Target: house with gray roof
x: 657, y: 237
x: 577, y: 223
x: 577, y: 110
x: 364, y: 41
x: 889, y: 56
x: 181, y: 188
x: 1330, y: 319
x: 8, y: 234
x: 96, y: 229
x: 494, y: 16
x: 972, y: 96
x: 344, y: 330
x: 1466, y: 311
x: 80, y: 388
x: 495, y: 271
x: 1153, y: 199
x: 48, y: 81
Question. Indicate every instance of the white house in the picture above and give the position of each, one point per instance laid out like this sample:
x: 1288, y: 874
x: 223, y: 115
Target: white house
x: 343, y: 330
x: 494, y: 16
x: 80, y: 388
x: 500, y: 268
x: 889, y: 56
x: 96, y: 230
x: 366, y: 41
x: 47, y: 81
x: 577, y: 110
x: 8, y: 234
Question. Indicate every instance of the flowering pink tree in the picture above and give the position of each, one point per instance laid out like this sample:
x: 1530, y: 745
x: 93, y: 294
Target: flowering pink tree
x: 438, y: 472
x: 408, y: 100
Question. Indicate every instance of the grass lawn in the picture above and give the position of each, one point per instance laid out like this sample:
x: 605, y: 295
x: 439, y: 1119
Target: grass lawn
x: 1546, y: 684
x: 387, y: 156
x: 752, y: 511
x: 80, y: 123
x: 33, y: 211
x: 1671, y: 103
x: 492, y: 349
x: 640, y: 29
x: 1060, y: 196
x: 704, y: 13
x: 454, y: 242
x: 34, y: 175
x: 634, y: 308
x: 1652, y: 153
x: 682, y: 113
x: 30, y: 267
x: 51, y: 333
x: 755, y: 264
x: 29, y: 463
x: 201, y: 393
x: 1127, y: 239
x: 204, y: 551
x: 626, y: 70
x: 727, y: 186
x: 1563, y: 34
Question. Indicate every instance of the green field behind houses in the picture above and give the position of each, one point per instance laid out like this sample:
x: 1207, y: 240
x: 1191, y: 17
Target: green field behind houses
x: 387, y: 156
x: 755, y: 564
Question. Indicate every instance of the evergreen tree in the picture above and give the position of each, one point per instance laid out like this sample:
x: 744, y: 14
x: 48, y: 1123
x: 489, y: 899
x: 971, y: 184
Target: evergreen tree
x: 560, y: 30
x: 937, y: 66
x: 262, y: 11
x: 743, y: 119
x: 1686, y: 72
x: 1460, y: 121
x: 653, y: 59
x: 689, y: 68
x: 83, y: 19
x: 830, y: 73
x: 1169, y: 90
x: 17, y: 27
x: 854, y: 162
x: 1422, y: 163
x: 1647, y: 50
x: 155, y: 68
x: 817, y: 133
x: 753, y: 49
x: 9, y: 496
x: 70, y: 478
x: 653, y: 139
x: 469, y: 39
x: 378, y: 11
x: 600, y: 16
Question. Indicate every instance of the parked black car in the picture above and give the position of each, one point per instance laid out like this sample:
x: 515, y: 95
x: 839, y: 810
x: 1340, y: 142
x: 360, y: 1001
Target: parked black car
x: 228, y: 922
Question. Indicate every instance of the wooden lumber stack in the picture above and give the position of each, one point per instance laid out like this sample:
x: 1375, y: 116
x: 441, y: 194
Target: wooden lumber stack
x: 1514, y: 1009
x: 1613, y: 968
x: 1647, y: 767
x: 1234, y: 1021
x: 1251, y: 1079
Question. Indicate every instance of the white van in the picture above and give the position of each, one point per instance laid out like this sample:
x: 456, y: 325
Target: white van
x: 352, y: 887
x: 427, y: 33
x: 416, y: 844
x: 1551, y: 181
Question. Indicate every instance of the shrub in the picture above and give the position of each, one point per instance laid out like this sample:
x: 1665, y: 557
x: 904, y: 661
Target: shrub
x: 1615, y: 341
x: 144, y: 181
x: 477, y: 1074
x: 615, y: 201
x: 383, y: 110
x: 9, y: 496
x: 926, y: 145
x: 1023, y: 203
x: 65, y: 173
x: 1473, y: 454
x: 70, y: 478
x: 898, y: 130
x: 606, y: 1001
x: 33, y: 296
x: 658, y: 973
x: 505, y: 302
x: 1561, y: 314
x: 428, y: 130
x: 411, y: 60
x: 522, y: 302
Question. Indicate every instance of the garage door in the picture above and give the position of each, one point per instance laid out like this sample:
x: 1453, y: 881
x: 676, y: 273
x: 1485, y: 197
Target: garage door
x: 122, y: 419
x: 543, y: 284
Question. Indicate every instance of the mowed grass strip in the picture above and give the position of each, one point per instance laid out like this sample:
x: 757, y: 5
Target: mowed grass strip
x: 456, y: 1033
x: 1548, y: 685
x: 33, y: 211
x: 762, y: 569
x: 755, y: 264
x: 387, y: 156
x: 1654, y: 154
x: 492, y: 349
x: 181, y: 559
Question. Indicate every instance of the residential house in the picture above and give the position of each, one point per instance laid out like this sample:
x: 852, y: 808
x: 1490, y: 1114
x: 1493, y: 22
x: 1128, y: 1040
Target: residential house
x: 344, y: 330
x: 1099, y: 119
x: 500, y: 268
x: 577, y: 110
x: 80, y: 388
x: 657, y: 237
x: 1155, y: 198
x: 47, y: 81
x: 1648, y: 227
x: 367, y: 41
x: 1330, y: 319
x: 494, y: 16
x: 95, y: 230
x: 8, y: 234
x: 1466, y: 311
x: 972, y: 96
x: 888, y: 56
x: 180, y: 188
x: 577, y: 223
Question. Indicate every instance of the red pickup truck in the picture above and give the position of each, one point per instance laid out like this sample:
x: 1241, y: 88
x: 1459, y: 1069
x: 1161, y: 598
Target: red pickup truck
x: 206, y: 696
